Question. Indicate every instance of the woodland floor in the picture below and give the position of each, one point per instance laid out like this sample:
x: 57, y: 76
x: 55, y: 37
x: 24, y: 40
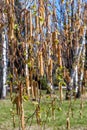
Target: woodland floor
x: 77, y: 122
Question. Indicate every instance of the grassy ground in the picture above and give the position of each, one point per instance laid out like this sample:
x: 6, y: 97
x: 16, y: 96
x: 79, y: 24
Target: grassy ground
x: 78, y: 115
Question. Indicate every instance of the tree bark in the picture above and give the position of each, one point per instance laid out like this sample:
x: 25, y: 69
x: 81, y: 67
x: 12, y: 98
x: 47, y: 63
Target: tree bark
x: 1, y: 70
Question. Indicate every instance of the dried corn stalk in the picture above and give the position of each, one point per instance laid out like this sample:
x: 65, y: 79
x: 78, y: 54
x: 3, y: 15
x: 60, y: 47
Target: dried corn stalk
x: 59, y: 55
x: 21, y: 106
x: 37, y: 23
x: 31, y: 30
x: 68, y: 123
x: 61, y: 92
x: 38, y: 115
x: 40, y: 63
x: 50, y: 68
x: 35, y: 90
x: 41, y: 9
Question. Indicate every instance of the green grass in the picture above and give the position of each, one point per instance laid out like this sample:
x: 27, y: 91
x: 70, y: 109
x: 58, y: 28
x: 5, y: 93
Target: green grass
x: 5, y: 116
x: 61, y: 115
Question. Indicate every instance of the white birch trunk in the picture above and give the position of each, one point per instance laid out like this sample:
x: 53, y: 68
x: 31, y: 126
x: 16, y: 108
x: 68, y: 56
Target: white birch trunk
x: 74, y: 73
x: 26, y: 69
x: 4, y: 35
x: 83, y: 59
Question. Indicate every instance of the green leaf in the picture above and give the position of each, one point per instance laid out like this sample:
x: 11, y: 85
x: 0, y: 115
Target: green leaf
x: 25, y: 98
x: 41, y: 20
x: 56, y: 41
x: 35, y: 103
x: 29, y: 64
x: 34, y: 7
x: 16, y: 27
x: 34, y: 13
x: 59, y: 109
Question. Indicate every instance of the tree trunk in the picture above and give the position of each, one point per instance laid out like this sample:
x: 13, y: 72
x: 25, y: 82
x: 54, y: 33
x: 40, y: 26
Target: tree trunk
x: 4, y: 63
x: 1, y: 70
